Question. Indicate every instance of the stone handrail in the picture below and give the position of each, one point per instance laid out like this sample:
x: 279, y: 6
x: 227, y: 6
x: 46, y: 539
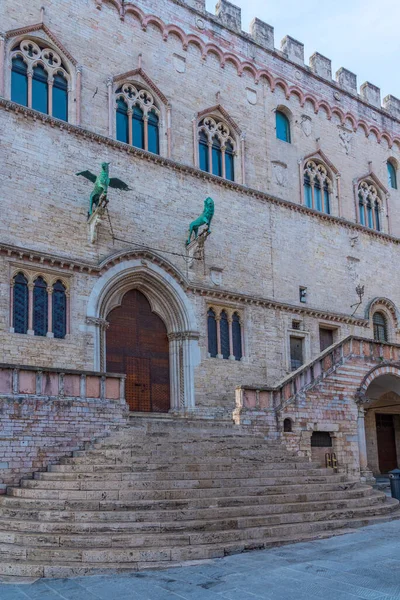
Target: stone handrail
x: 60, y: 383
x: 272, y: 399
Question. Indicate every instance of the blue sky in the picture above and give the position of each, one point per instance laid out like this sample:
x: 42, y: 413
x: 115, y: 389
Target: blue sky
x: 360, y: 35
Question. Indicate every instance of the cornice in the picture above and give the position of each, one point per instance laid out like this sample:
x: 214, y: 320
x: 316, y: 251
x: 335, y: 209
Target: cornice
x: 88, y: 135
x: 35, y: 257
x: 146, y: 19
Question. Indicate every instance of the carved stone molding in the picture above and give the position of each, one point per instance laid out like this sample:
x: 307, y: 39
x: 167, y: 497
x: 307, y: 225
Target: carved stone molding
x: 97, y: 322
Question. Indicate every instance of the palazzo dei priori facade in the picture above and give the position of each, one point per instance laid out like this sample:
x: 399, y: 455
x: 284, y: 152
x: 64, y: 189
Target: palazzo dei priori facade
x: 284, y: 315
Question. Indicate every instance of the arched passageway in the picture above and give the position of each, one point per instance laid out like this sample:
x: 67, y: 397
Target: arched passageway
x: 379, y: 412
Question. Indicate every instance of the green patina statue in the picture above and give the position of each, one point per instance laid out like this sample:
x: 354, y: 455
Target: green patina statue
x: 204, y: 219
x: 101, y: 185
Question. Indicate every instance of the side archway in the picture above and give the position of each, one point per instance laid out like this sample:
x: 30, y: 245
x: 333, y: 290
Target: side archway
x: 169, y: 302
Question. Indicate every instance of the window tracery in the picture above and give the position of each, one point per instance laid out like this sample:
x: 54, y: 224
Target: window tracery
x: 225, y: 333
x: 317, y: 187
x: 217, y: 148
x: 137, y: 117
x: 39, y: 304
x: 369, y: 205
x: 39, y: 78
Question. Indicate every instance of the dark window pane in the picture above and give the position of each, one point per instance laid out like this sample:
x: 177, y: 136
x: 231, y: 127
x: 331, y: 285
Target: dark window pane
x: 380, y: 327
x: 282, y: 127
x: 203, y: 152
x: 122, y: 121
x: 317, y: 196
x: 296, y: 353
x: 229, y: 162
x: 224, y: 331
x: 237, y: 337
x: 60, y: 97
x: 370, y: 218
x: 212, y: 334
x: 154, y: 144
x: 392, y: 175
x: 137, y: 128
x: 40, y: 307
x: 216, y: 157
x: 307, y: 191
x: 362, y: 212
x: 327, y: 207
x: 39, y: 90
x: 19, y: 82
x: 377, y: 217
x: 59, y: 310
x: 325, y: 338
x: 287, y: 425
x: 20, y: 316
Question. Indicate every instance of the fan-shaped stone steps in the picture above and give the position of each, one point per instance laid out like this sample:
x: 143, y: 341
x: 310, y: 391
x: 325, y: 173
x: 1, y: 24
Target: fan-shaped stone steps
x: 162, y: 492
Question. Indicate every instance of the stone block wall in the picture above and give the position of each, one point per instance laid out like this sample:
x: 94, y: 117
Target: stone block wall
x: 47, y: 414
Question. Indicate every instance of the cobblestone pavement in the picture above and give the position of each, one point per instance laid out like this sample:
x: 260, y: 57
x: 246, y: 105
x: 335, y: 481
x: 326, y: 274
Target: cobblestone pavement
x: 364, y: 564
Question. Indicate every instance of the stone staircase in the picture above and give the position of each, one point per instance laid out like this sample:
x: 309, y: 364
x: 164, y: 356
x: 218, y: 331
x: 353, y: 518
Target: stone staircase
x: 162, y: 491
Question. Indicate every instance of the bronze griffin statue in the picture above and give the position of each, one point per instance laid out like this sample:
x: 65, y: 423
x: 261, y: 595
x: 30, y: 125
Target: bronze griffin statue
x: 101, y: 185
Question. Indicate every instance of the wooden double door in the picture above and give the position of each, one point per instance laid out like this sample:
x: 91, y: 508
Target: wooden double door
x: 137, y: 345
x: 386, y: 438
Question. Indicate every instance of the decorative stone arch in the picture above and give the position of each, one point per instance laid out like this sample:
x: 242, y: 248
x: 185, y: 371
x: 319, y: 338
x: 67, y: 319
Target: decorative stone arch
x: 333, y: 177
x: 388, y: 375
x: 169, y: 301
x: 41, y: 35
x: 218, y: 115
x: 142, y: 82
x: 388, y: 308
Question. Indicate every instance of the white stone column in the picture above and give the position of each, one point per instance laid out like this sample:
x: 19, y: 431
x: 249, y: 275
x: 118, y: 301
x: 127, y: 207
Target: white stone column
x: 175, y: 391
x: 188, y: 371
x: 366, y: 474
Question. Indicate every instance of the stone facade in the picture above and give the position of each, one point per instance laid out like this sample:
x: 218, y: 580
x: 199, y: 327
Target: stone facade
x: 265, y: 243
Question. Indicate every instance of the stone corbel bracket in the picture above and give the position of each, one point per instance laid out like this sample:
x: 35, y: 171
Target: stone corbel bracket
x: 195, y: 251
x: 96, y: 217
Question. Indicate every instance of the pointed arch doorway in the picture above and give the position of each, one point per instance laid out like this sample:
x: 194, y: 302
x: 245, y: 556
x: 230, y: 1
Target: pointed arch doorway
x: 137, y: 344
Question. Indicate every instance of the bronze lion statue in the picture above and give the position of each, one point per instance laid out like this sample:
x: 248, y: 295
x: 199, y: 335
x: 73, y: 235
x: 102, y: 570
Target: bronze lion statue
x: 204, y: 219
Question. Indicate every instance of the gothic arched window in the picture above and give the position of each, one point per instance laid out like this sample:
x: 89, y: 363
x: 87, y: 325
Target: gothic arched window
x: 224, y: 329
x: 380, y: 327
x: 40, y: 307
x: 39, y: 78
x: 137, y: 118
x: 392, y: 175
x: 59, y: 310
x: 20, y: 303
x: 282, y: 126
x: 236, y: 336
x: 369, y: 205
x: 217, y: 148
x: 212, y: 334
x: 317, y: 186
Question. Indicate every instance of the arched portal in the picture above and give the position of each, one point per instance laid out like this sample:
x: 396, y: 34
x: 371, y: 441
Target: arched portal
x: 136, y: 284
x: 379, y: 420
x: 137, y: 345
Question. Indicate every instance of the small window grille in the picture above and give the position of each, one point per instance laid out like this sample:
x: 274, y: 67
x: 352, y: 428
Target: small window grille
x: 296, y: 325
x: 321, y: 439
x: 380, y: 327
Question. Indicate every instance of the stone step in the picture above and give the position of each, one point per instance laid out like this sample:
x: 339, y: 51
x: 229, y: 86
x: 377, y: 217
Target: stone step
x: 199, y: 547
x: 239, y: 473
x: 167, y: 484
x: 98, y: 502
x: 93, y: 512
x: 198, y: 519
x: 129, y: 492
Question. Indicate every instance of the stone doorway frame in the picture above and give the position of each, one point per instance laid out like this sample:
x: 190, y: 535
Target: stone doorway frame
x: 169, y: 301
